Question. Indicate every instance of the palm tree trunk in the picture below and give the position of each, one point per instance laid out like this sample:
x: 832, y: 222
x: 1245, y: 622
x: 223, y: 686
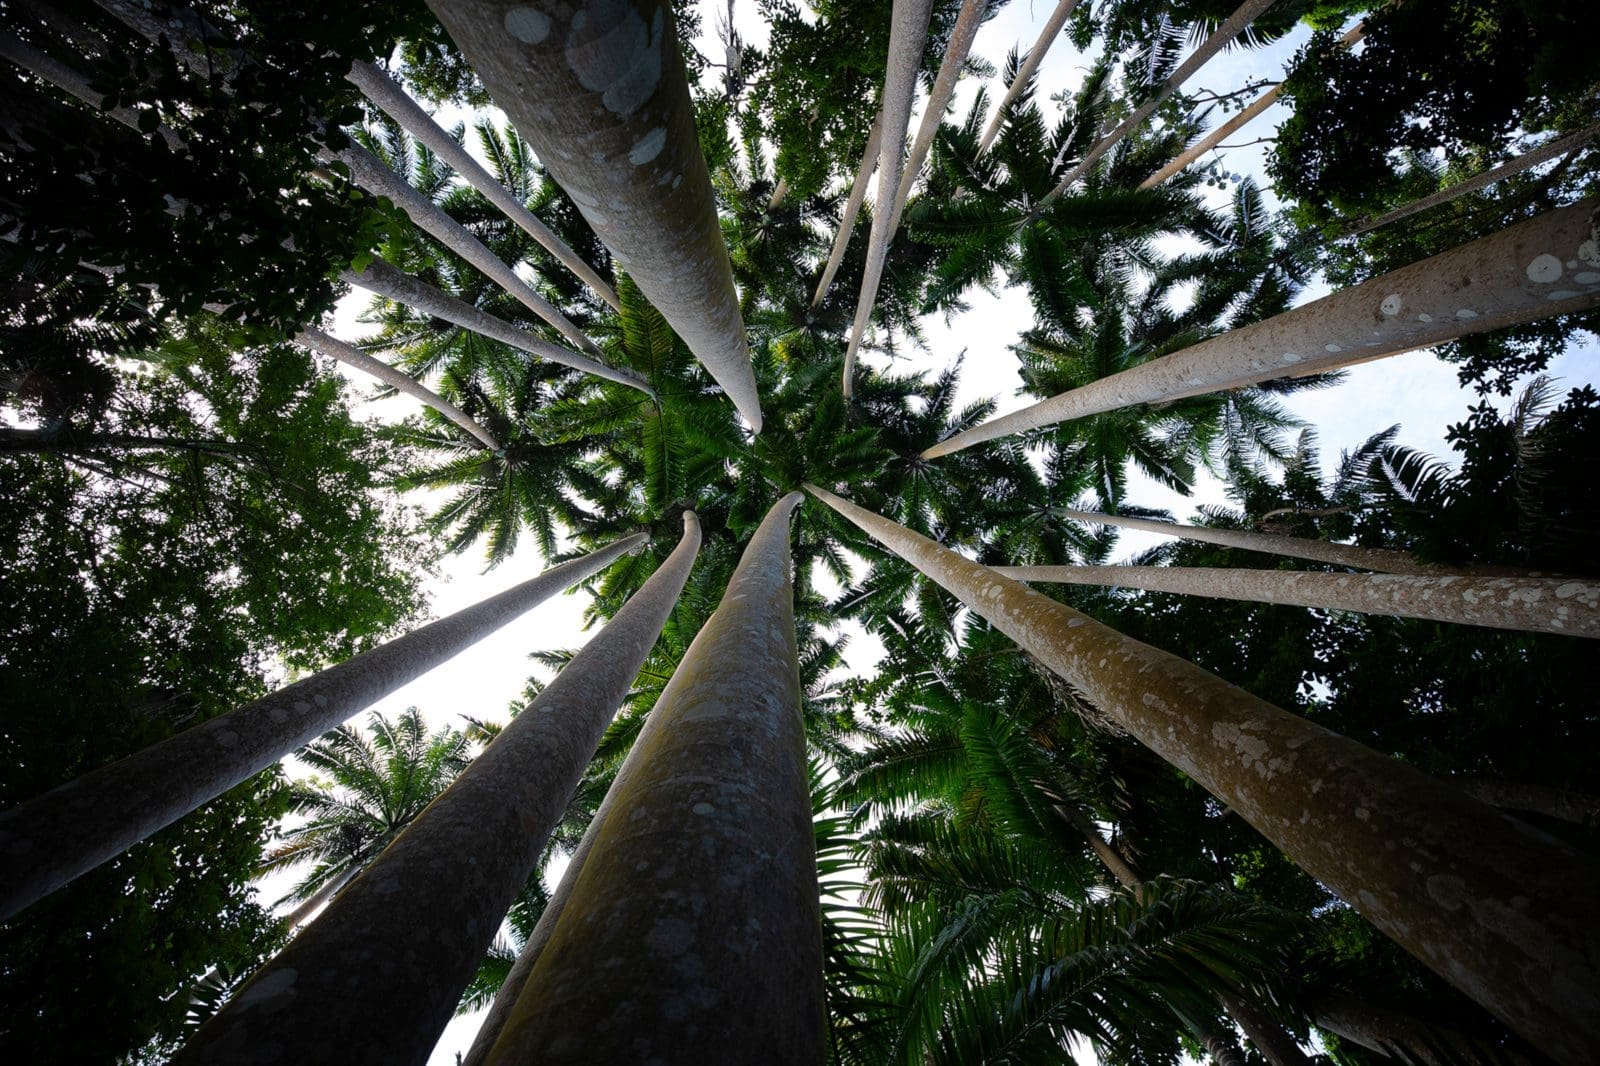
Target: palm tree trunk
x: 780, y: 192
x: 70, y: 830
x: 1529, y: 604
x: 391, y: 283
x: 1503, y: 914
x: 1234, y: 124
x: 1029, y: 65
x: 302, y: 913
x: 1108, y: 854
x: 944, y: 86
x: 692, y: 932
x: 1411, y: 1040
x: 370, y: 172
x: 908, y: 36
x: 1384, y: 560
x: 1514, y: 276
x: 320, y: 342
x: 852, y: 207
x: 1270, y: 1038
x: 1236, y: 24
x: 382, y: 90
x: 423, y: 913
x: 600, y: 95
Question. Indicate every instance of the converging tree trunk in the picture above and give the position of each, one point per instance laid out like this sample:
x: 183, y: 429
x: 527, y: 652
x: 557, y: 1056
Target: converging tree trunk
x: 1503, y: 914
x: 329, y: 888
x: 1530, y: 604
x: 1026, y: 70
x: 692, y: 932
x: 70, y: 830
x: 852, y: 207
x: 382, y: 90
x: 323, y: 344
x: 599, y: 92
x: 1236, y: 24
x: 391, y: 283
x: 908, y: 36
x: 1517, y: 275
x: 1405, y: 1038
x: 423, y: 913
x: 944, y: 86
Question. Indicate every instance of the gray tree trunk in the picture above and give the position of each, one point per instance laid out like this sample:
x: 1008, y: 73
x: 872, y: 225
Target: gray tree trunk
x: 382, y: 90
x: 1027, y: 68
x: 944, y: 86
x: 599, y: 92
x: 1270, y: 1038
x: 308, y: 907
x: 75, y: 827
x: 1407, y: 1039
x: 1517, y: 275
x: 1236, y: 24
x: 1503, y: 914
x: 422, y: 914
x: 74, y: 84
x: 852, y: 207
x: 333, y: 348
x: 692, y: 931
x: 908, y: 36
x: 391, y: 283
x: 1529, y: 604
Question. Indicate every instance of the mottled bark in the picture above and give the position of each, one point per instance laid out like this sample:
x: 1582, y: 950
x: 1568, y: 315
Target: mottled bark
x: 908, y: 36
x: 391, y: 283
x: 382, y: 90
x: 598, y: 91
x: 944, y: 86
x: 1407, y: 1039
x: 1546, y: 266
x: 1529, y: 604
x: 1384, y: 560
x: 692, y: 932
x: 1504, y: 914
x: 49, y: 840
x: 852, y: 207
x: 333, y: 348
x: 1028, y: 67
x: 397, y: 947
x: 1235, y: 24
x: 1562, y: 804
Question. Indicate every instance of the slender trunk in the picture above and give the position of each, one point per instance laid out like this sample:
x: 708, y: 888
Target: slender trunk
x: 944, y: 86
x: 1411, y: 1040
x: 1221, y: 1047
x: 68, y: 442
x: 1514, y: 276
x: 1384, y: 560
x: 780, y: 192
x: 75, y: 85
x: 391, y: 283
x: 70, y: 830
x: 1236, y: 24
x: 319, y: 341
x: 852, y: 207
x: 1572, y: 142
x: 378, y: 87
x: 424, y: 912
x: 692, y: 933
x: 1503, y: 914
x: 1529, y: 604
x: 308, y: 907
x: 908, y: 36
x: 1270, y: 1038
x: 1104, y: 850
x: 1030, y: 64
x: 1234, y: 124
x: 1560, y: 803
x: 600, y: 95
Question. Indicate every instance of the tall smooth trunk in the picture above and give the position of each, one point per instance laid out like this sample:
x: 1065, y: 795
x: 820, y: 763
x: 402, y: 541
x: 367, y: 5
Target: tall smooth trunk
x: 74, y: 84
x: 1234, y: 124
x: 1521, y: 274
x: 908, y: 36
x: 598, y: 91
x: 1028, y: 67
x: 333, y: 348
x: 51, y: 839
x: 382, y: 90
x: 1504, y: 914
x: 421, y: 916
x: 308, y: 907
x: 944, y: 86
x: 692, y: 933
x: 1236, y: 24
x: 852, y: 207
x: 1530, y: 604
x: 391, y: 283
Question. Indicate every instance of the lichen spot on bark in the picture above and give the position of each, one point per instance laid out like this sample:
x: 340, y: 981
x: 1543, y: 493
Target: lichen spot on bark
x: 527, y: 25
x: 648, y: 147
x: 615, y: 54
x: 1391, y: 304
x: 1544, y: 269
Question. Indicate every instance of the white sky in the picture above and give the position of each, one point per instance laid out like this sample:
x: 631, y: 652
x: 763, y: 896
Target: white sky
x: 1416, y: 390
